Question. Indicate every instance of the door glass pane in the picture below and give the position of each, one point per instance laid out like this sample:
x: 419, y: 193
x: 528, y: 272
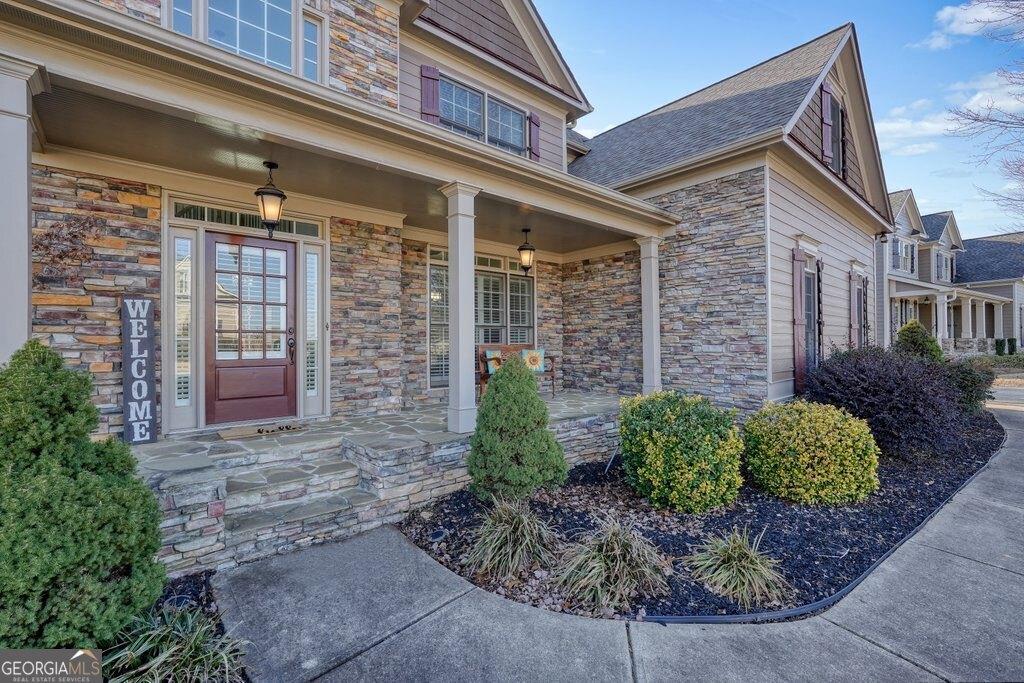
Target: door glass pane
x: 438, y: 312
x: 275, y: 290
x: 227, y: 346
x: 252, y: 260
x: 227, y: 317
x: 275, y: 346
x: 275, y: 318
x: 275, y: 262
x: 227, y: 257
x: 252, y: 345
x: 252, y: 317
x: 182, y: 321
x: 227, y: 286
x: 312, y: 322
x: 252, y: 288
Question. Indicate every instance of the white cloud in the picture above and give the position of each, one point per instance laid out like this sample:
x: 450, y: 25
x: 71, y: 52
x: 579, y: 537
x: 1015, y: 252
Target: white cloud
x: 989, y: 90
x: 897, y: 131
x: 956, y: 23
x: 916, y: 105
x: 915, y: 149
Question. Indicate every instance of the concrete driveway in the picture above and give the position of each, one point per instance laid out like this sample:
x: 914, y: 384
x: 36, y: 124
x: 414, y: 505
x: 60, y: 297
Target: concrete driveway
x: 946, y: 605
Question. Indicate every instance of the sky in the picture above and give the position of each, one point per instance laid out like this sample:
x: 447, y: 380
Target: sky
x: 920, y: 58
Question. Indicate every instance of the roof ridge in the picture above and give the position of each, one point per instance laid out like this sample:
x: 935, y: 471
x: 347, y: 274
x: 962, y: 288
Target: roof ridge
x: 997, y: 234
x: 847, y: 25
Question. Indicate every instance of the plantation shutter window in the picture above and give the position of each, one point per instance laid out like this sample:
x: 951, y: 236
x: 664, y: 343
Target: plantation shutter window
x: 799, y: 321
x: 534, y: 136
x: 826, y: 123
x: 430, y: 94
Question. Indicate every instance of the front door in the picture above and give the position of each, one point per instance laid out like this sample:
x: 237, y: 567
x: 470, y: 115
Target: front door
x: 250, y: 328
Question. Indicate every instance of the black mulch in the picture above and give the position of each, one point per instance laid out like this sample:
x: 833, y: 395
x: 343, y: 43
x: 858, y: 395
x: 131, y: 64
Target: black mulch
x: 822, y: 549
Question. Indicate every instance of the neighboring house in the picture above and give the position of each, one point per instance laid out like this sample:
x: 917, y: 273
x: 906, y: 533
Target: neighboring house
x: 777, y: 176
x: 993, y: 267
x: 921, y: 262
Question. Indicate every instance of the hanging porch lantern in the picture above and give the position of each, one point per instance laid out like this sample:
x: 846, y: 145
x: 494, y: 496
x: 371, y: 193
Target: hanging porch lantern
x: 526, y: 252
x: 271, y: 201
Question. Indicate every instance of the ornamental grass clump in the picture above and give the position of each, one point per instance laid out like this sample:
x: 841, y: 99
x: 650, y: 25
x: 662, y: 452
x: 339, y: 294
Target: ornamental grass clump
x: 78, y: 531
x: 511, y: 539
x: 512, y: 453
x: 811, y: 453
x: 170, y: 644
x: 732, y: 566
x: 680, y: 452
x: 914, y: 340
x: 606, y: 569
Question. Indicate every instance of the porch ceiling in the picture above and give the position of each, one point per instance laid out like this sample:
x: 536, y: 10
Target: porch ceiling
x: 73, y: 116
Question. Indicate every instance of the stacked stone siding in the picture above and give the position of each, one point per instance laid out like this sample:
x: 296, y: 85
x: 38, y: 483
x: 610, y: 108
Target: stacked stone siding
x: 550, y: 312
x: 95, y: 239
x: 415, y: 373
x: 146, y: 10
x: 714, y: 310
x: 364, y: 50
x: 602, y: 334
x: 366, y: 335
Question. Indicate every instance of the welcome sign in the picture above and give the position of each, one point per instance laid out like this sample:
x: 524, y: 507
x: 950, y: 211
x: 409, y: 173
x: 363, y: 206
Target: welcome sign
x: 138, y: 365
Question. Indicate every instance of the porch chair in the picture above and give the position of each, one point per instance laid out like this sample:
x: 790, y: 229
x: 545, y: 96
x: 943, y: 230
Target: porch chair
x: 509, y: 350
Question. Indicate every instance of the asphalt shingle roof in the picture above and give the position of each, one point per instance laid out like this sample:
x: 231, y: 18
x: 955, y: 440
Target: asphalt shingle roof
x: 934, y: 224
x: 753, y: 102
x: 997, y: 257
x: 896, y: 201
x: 579, y: 139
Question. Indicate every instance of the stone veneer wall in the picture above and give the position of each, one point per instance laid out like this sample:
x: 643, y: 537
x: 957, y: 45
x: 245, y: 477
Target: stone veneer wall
x: 366, y: 335
x: 93, y: 240
x: 146, y: 10
x: 602, y: 335
x: 551, y: 315
x: 714, y: 309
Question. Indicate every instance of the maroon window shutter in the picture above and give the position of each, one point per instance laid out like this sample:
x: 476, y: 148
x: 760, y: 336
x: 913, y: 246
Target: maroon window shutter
x: 430, y: 94
x: 799, y: 322
x: 826, y: 122
x: 855, y: 281
x: 534, y: 136
x: 820, y: 303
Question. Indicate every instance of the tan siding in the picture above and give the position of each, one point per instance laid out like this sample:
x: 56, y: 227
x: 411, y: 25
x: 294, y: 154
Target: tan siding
x: 795, y: 211
x: 926, y: 264
x: 552, y: 128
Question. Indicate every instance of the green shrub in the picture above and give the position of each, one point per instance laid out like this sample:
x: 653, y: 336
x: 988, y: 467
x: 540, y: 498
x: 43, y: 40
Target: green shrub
x: 609, y: 567
x: 732, y: 566
x: 512, y: 453
x: 78, y: 532
x: 1011, y: 345
x: 680, y: 451
x: 972, y: 382
x: 169, y: 644
x: 913, y: 340
x: 511, y: 539
x: 1000, y: 347
x: 811, y: 453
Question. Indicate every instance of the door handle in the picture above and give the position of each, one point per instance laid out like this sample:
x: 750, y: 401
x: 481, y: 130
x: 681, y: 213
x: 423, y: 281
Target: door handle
x: 291, y: 345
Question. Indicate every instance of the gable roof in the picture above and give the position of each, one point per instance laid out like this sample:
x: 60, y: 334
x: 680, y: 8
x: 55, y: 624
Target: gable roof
x: 752, y: 103
x: 510, y: 31
x: 578, y: 140
x: 935, y: 224
x: 996, y: 257
x: 902, y: 201
x: 896, y: 201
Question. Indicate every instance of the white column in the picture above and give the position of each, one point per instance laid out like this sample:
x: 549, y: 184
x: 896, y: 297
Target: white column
x: 966, y: 327
x: 998, y: 332
x: 940, y: 316
x: 19, y: 81
x: 650, y: 312
x: 461, y: 363
x: 979, y: 320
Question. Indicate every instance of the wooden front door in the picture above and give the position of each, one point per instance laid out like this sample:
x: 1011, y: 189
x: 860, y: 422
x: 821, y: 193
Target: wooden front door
x: 250, y: 328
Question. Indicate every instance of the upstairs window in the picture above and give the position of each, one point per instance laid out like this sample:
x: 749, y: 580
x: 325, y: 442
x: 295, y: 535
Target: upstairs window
x: 310, y: 48
x: 837, y: 143
x: 506, y: 127
x: 477, y: 115
x: 462, y: 109
x: 904, y: 255
x: 181, y: 16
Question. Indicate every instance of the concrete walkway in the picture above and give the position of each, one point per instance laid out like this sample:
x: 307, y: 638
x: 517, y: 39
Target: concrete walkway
x: 946, y: 605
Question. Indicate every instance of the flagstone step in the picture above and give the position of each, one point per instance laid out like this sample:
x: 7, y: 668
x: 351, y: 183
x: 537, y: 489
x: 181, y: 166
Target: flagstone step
x: 267, y: 485
x: 295, y: 512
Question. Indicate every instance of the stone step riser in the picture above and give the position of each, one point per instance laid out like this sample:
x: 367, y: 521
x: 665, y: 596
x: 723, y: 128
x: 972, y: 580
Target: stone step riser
x: 257, y: 498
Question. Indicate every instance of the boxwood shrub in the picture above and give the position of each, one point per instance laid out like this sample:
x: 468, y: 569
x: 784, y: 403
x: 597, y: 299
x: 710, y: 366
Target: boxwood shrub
x: 972, y: 381
x: 910, y: 403
x: 78, y: 532
x: 1011, y: 345
x: 1000, y: 347
x: 680, y: 451
x: 811, y: 453
x: 912, y: 339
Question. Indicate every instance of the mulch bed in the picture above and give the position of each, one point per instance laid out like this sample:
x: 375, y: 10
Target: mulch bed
x: 822, y: 549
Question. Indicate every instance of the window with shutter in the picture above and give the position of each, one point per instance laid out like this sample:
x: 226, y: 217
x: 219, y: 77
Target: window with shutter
x: 799, y: 321
x: 534, y: 136
x: 826, y: 123
x: 430, y: 95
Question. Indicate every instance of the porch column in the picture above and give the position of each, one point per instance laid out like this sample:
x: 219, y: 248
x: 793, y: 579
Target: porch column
x: 998, y: 319
x: 940, y: 316
x: 966, y: 327
x: 650, y: 312
x: 979, y: 321
x: 19, y: 81
x: 461, y: 372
